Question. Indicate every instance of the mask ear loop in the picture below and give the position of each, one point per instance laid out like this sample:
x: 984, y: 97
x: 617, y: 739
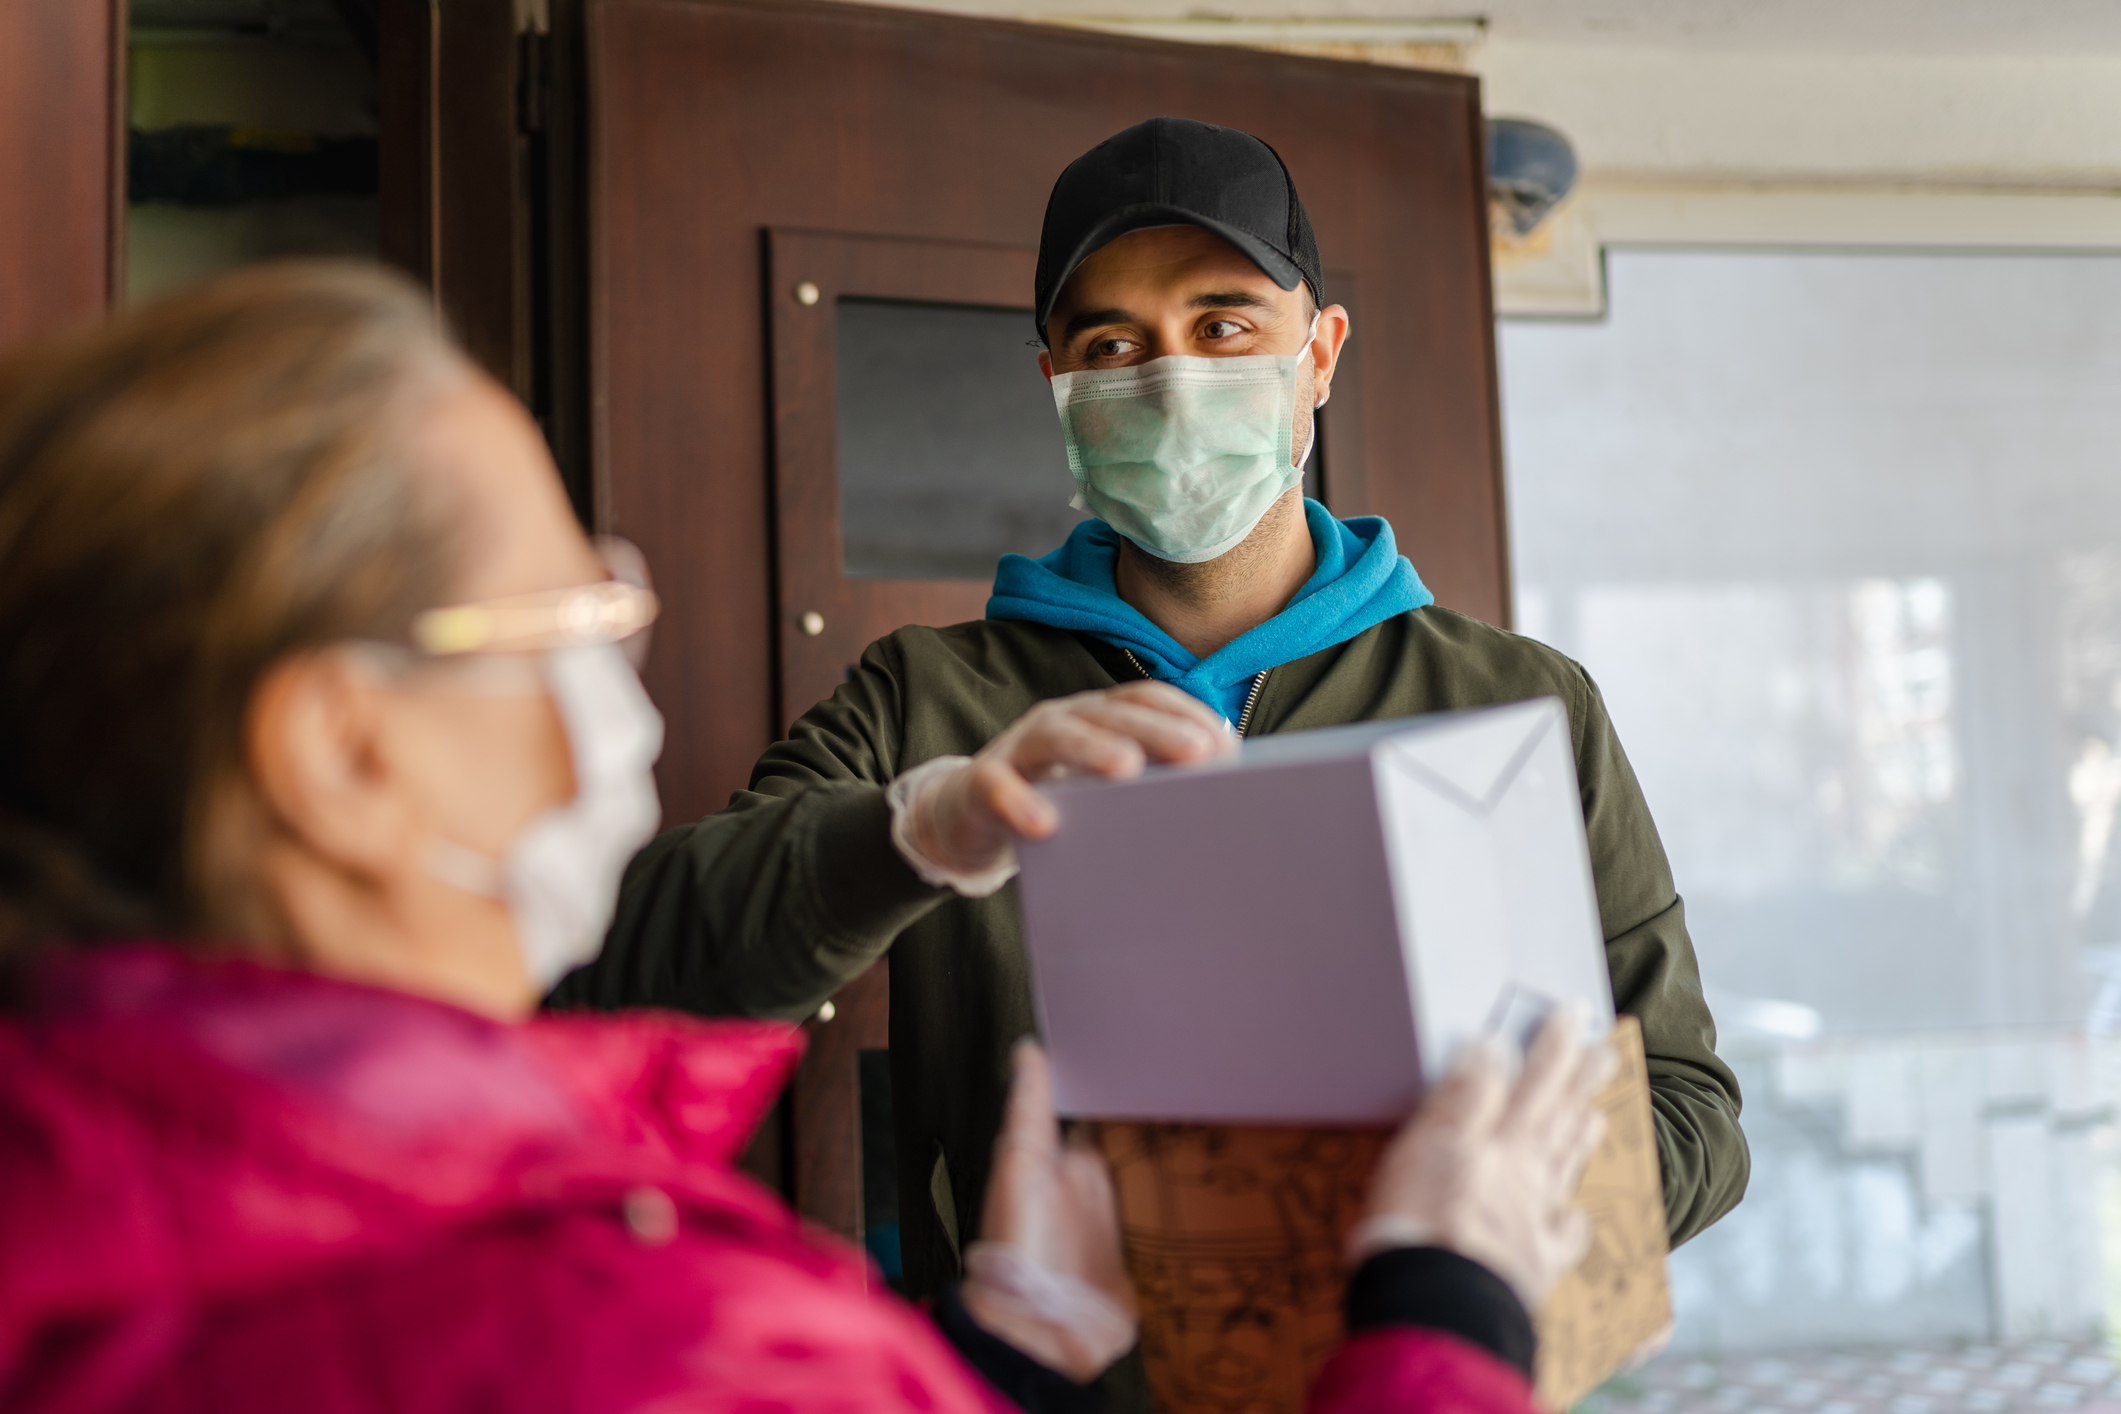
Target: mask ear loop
x: 1316, y: 401
x: 1311, y: 443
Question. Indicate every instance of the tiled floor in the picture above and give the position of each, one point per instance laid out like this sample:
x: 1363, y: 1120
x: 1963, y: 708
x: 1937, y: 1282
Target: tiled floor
x: 2040, y: 1378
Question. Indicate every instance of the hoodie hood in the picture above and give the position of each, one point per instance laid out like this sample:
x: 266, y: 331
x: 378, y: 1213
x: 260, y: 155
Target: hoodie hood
x: 1361, y: 581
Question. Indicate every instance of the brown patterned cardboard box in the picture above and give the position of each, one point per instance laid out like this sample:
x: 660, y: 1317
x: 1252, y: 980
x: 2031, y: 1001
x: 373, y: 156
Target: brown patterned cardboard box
x: 1234, y: 1232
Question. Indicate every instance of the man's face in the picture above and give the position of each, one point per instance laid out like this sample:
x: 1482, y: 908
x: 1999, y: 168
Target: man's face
x: 1184, y: 290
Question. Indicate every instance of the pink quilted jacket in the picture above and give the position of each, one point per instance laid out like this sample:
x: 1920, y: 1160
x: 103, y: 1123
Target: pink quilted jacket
x: 225, y: 1187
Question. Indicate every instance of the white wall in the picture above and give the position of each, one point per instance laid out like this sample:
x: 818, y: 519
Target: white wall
x: 2046, y: 120
x: 1709, y: 147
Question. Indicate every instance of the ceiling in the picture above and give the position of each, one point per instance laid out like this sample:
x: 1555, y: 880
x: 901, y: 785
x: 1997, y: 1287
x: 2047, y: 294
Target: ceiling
x: 1944, y: 27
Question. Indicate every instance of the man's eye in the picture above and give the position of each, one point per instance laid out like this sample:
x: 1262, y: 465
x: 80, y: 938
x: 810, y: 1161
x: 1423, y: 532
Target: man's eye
x: 1112, y: 348
x: 1221, y: 329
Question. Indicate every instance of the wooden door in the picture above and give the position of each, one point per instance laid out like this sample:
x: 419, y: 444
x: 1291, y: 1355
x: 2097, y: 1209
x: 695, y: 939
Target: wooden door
x: 62, y: 167
x: 753, y: 163
x: 715, y: 122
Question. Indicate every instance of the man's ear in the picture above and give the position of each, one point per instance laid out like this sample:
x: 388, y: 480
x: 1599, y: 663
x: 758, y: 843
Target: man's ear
x: 1045, y: 363
x: 1326, y: 344
x: 313, y: 741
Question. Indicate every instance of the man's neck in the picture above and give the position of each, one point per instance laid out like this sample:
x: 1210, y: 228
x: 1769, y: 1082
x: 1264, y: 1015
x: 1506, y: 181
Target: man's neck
x: 1207, y: 605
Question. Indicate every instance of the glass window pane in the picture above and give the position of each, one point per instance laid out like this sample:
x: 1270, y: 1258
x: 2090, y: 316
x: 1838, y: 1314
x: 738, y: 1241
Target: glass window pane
x: 1839, y: 535
x: 950, y: 452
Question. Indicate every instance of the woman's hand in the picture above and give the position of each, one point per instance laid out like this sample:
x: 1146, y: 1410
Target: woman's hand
x: 1488, y: 1169
x: 1047, y: 1275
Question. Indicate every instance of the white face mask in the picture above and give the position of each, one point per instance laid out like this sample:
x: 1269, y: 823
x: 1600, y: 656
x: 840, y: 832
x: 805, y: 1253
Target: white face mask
x: 560, y: 878
x: 1183, y: 455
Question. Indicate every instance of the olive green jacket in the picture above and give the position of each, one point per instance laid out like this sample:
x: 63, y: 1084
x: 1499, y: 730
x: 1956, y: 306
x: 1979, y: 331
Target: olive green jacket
x: 766, y: 907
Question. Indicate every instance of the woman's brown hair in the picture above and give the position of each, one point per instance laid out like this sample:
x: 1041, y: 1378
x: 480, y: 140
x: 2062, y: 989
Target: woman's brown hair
x: 188, y: 494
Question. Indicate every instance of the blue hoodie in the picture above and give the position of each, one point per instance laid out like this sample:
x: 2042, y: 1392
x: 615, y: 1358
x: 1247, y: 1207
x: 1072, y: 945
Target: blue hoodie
x: 1361, y: 580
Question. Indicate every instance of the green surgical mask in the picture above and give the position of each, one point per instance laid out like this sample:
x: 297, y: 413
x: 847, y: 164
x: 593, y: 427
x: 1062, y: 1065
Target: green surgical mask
x: 1182, y: 455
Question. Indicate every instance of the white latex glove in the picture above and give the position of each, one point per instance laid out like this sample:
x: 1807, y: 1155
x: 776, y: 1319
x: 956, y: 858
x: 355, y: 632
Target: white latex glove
x: 956, y: 820
x: 1488, y: 1169
x: 1047, y: 1275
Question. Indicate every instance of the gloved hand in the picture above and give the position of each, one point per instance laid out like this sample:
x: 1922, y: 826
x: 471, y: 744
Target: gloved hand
x: 957, y: 819
x: 1487, y: 1168
x: 1047, y: 1276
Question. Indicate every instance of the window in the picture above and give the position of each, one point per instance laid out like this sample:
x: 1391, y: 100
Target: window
x: 1839, y: 535
x: 950, y: 452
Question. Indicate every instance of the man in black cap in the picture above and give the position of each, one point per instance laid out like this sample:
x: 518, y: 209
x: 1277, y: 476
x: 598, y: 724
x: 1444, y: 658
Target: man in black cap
x: 1179, y: 301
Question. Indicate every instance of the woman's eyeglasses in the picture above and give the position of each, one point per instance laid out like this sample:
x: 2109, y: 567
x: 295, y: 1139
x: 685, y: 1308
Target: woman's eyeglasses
x: 616, y: 610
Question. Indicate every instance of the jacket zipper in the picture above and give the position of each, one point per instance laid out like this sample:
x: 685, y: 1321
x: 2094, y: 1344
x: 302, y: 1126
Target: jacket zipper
x: 1244, y: 718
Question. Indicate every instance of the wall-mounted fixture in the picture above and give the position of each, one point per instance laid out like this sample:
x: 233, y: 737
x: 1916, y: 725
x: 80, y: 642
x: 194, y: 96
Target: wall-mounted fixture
x: 1544, y: 250
x: 1531, y: 167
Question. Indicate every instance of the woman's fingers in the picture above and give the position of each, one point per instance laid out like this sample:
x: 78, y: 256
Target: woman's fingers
x: 1472, y: 1096
x: 1053, y: 1199
x: 1578, y: 1127
x: 1019, y: 1201
x: 1089, y: 1177
x: 1572, y: 1239
x: 1550, y: 1065
x: 1455, y: 1118
x: 1561, y: 1075
x: 1488, y: 1168
x: 1598, y: 1064
x: 1094, y: 1212
x: 1575, y: 1154
x: 1029, y: 1126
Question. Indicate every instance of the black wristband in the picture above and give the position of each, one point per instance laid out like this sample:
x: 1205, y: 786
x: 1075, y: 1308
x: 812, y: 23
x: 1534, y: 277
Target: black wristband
x: 1432, y: 1287
x: 1033, y: 1387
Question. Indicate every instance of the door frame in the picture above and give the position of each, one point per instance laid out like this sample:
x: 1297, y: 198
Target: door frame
x: 62, y: 163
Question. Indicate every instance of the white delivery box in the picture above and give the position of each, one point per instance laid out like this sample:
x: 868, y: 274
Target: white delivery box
x: 1306, y: 933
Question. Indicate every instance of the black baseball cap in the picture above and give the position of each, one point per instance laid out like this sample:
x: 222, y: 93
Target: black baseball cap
x: 1170, y: 172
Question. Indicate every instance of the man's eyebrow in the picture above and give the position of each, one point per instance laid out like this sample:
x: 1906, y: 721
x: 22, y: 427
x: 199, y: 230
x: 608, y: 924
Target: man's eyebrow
x: 1229, y: 299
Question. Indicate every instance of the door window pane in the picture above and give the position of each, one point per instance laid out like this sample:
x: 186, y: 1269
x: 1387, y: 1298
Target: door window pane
x: 950, y: 451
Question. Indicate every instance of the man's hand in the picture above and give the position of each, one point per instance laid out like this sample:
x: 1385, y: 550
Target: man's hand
x: 970, y: 819
x: 1046, y: 1275
x: 1489, y: 1169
